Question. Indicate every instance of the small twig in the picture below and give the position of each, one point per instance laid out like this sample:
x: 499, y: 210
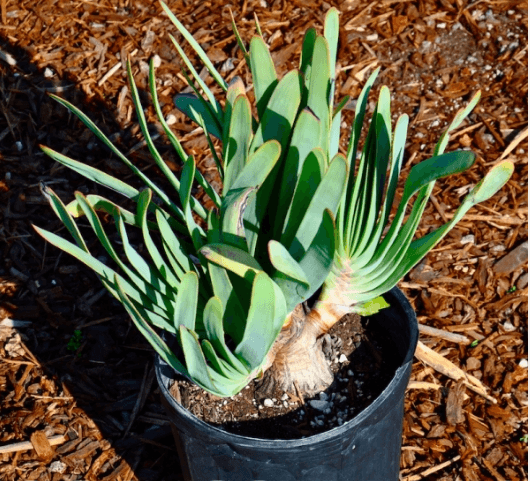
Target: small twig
x: 514, y: 143
x: 440, y: 333
x: 446, y: 367
x: 298, y: 393
x: 25, y: 445
x: 434, y: 469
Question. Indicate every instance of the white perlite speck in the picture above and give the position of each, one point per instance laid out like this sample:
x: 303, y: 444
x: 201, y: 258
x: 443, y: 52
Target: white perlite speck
x: 523, y: 363
x: 268, y: 403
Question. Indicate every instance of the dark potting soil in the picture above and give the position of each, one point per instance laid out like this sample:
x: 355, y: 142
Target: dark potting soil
x: 363, y: 359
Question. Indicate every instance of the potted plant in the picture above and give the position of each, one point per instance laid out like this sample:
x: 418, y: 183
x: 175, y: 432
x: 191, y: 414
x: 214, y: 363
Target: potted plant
x: 296, y: 220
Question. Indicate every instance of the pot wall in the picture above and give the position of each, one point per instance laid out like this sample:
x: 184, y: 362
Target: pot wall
x: 366, y: 448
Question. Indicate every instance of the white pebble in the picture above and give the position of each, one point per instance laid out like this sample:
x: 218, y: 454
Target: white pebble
x: 268, y: 403
x: 523, y: 363
x: 508, y: 326
x: 343, y: 358
x: 48, y: 73
x: 171, y: 119
x: 157, y: 61
x: 468, y: 239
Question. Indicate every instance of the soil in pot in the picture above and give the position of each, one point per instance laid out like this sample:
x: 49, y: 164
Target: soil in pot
x: 363, y: 359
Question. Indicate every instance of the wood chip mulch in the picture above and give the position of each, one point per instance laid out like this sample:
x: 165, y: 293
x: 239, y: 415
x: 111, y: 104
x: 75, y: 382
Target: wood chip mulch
x: 78, y: 399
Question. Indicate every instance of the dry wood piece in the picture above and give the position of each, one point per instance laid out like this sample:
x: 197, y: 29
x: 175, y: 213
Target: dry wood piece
x: 434, y: 469
x: 449, y: 336
x: 453, y: 408
x: 442, y: 365
x: 25, y: 445
x: 42, y: 446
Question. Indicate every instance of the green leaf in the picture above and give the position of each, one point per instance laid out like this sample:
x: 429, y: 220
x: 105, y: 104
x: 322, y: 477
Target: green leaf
x: 176, y: 253
x: 63, y: 214
x: 351, y: 192
x: 100, y: 177
x: 148, y: 332
x: 265, y: 319
x: 306, y: 59
x: 258, y: 166
x: 195, y: 45
x: 304, y: 184
x: 239, y: 39
x: 196, y: 109
x: 188, y: 173
x: 165, y: 271
x: 213, y: 323
x: 239, y: 138
x: 284, y: 262
x: 186, y: 304
x: 263, y: 73
x: 195, y: 362
x: 319, y: 89
x: 236, y: 202
x: 459, y: 118
x: 331, y: 33
x: 316, y: 264
x: 327, y: 196
x: 93, y: 174
x: 233, y: 259
x: 305, y: 138
x: 278, y: 118
x: 195, y: 205
x: 107, y: 274
x: 372, y: 306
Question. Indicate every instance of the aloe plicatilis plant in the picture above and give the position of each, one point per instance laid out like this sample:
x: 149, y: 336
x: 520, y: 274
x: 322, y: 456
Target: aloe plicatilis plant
x: 295, y: 219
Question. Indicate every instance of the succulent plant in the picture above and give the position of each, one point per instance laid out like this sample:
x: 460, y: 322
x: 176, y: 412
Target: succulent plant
x: 296, y: 218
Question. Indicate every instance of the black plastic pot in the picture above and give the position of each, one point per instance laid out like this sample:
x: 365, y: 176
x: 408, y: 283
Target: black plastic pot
x: 367, y: 448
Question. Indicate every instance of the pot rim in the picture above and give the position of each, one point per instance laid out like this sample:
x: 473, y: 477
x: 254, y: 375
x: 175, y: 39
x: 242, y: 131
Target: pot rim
x: 277, y: 444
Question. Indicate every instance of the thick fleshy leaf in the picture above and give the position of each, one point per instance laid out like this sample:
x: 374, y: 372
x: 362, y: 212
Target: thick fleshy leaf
x: 239, y: 137
x: 316, y: 264
x: 148, y: 332
x: 487, y: 187
x: 213, y: 323
x: 280, y: 112
x: 306, y: 59
x: 193, y: 106
x: 107, y: 273
x: 284, y: 262
x: 327, y: 197
x: 195, y: 231
x: 305, y: 185
x: 186, y: 304
x: 263, y: 73
x: 319, y: 89
x: 265, y: 318
x: 233, y: 259
x: 195, y: 362
x: 305, y: 138
x: 165, y: 271
x: 331, y: 33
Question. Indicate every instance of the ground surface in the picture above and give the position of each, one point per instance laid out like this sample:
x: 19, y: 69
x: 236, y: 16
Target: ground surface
x: 94, y: 397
